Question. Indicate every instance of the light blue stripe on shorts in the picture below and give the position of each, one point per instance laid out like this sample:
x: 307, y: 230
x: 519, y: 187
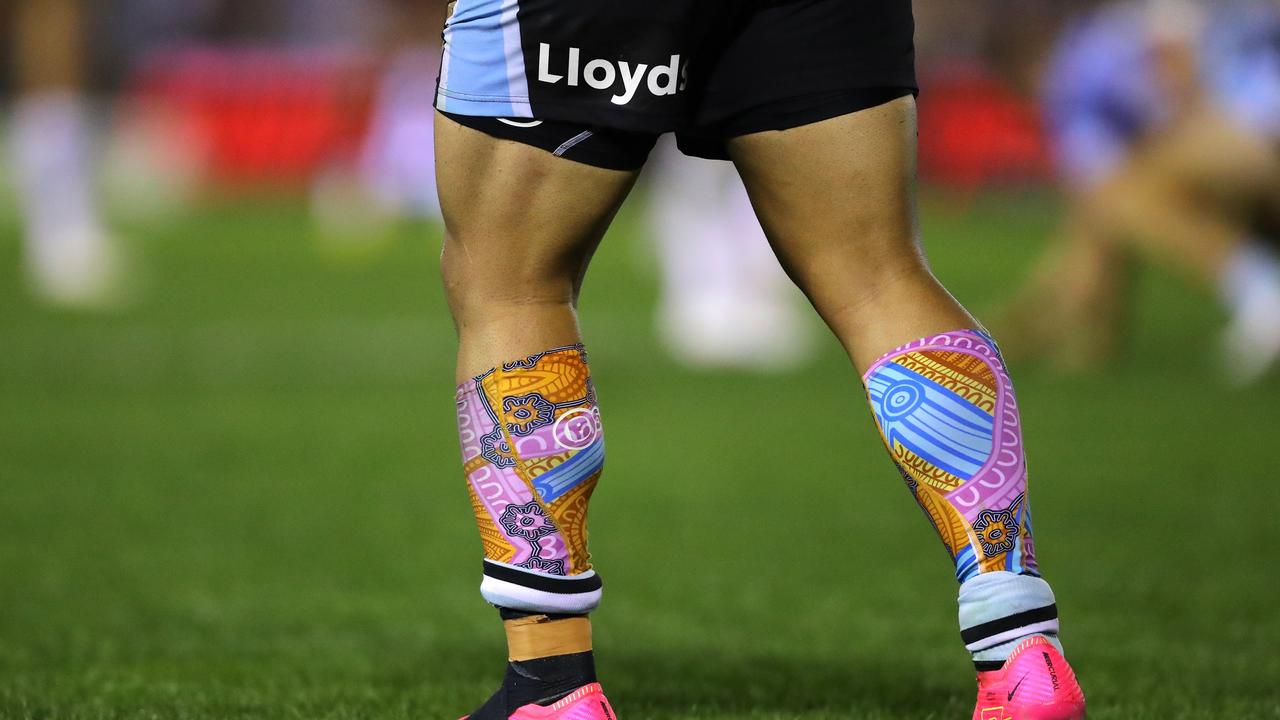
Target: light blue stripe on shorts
x: 482, y: 72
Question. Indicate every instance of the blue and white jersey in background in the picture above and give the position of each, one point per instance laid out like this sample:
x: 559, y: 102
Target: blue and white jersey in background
x: 1101, y: 91
x: 1241, y: 59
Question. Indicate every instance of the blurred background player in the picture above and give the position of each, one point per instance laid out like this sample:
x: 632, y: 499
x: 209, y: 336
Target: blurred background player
x: 1165, y: 119
x: 69, y: 254
x: 393, y: 175
x: 725, y: 301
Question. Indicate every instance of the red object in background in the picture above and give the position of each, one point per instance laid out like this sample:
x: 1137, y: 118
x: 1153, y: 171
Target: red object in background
x: 975, y: 131
x: 262, y: 115
x: 278, y: 116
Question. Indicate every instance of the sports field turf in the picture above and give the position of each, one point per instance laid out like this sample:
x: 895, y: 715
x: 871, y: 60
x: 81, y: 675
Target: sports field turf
x: 241, y: 500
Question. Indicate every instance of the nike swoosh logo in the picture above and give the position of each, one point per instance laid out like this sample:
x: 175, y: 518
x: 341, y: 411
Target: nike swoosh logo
x: 1015, y: 688
x: 520, y: 124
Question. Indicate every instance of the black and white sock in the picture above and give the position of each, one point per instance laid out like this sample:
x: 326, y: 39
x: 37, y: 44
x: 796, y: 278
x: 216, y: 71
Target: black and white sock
x: 999, y: 610
x: 538, y: 682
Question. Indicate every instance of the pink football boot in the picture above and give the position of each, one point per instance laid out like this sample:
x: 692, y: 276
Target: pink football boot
x: 1036, y: 683
x: 586, y: 703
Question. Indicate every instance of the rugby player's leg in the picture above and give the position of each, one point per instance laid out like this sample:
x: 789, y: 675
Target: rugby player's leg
x: 837, y: 202
x: 836, y: 199
x: 521, y: 226
x: 70, y: 257
x: 1194, y: 199
x: 1188, y: 199
x: 1073, y: 307
x: 724, y: 301
x: 1165, y: 202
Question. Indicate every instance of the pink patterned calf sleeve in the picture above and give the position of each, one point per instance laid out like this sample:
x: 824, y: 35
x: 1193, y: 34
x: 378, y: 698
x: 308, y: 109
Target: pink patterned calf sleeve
x: 532, y: 452
x: 948, y: 416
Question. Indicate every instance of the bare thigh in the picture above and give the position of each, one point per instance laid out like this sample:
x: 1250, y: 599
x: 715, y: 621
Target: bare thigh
x: 520, y: 228
x: 1208, y: 155
x: 837, y: 201
x: 1186, y: 197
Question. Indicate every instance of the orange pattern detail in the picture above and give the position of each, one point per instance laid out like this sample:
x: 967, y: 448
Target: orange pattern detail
x: 925, y: 472
x: 494, y: 542
x: 968, y: 376
x: 951, y: 526
x: 570, y: 515
x: 560, y: 377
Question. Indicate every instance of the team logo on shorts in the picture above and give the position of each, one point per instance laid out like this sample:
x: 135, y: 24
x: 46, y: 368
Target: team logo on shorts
x: 623, y: 78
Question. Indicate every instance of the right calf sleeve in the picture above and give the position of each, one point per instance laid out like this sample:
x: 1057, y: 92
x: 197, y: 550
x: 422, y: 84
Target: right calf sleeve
x: 532, y: 452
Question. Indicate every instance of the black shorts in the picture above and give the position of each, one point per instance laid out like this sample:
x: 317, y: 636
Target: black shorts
x: 599, y: 80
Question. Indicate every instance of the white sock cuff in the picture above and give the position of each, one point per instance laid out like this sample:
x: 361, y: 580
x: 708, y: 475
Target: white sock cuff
x: 519, y: 589
x: 1000, y: 607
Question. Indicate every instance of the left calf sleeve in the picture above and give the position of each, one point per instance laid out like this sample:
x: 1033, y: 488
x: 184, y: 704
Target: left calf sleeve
x: 532, y: 451
x: 947, y: 413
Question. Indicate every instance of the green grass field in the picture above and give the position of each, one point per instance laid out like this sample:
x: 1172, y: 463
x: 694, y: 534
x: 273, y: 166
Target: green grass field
x: 241, y: 499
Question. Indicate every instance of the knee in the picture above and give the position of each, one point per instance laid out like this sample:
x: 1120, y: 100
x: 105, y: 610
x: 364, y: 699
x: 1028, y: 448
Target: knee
x: 474, y: 283
x: 460, y: 281
x: 850, y: 292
